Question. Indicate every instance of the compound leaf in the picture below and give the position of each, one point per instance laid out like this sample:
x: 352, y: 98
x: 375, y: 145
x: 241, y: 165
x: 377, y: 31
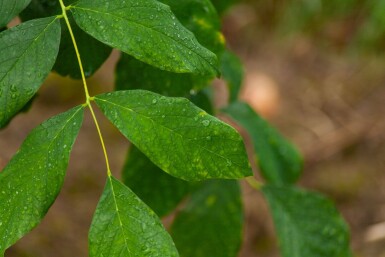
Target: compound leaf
x: 211, y: 222
x: 28, y: 52
x: 177, y: 136
x: 307, y: 223
x: 279, y: 160
x: 125, y: 226
x: 9, y: 9
x: 31, y: 181
x: 156, y: 188
x: 147, y: 30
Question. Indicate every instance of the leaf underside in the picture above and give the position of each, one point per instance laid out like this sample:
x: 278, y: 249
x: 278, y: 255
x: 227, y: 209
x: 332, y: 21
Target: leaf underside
x: 124, y: 226
x: 33, y: 178
x: 211, y: 222
x: 147, y: 30
x: 28, y: 52
x: 307, y: 223
x: 177, y: 136
x: 279, y: 161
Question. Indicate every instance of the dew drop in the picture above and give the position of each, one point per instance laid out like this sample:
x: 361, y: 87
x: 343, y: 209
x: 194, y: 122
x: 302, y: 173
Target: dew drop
x: 154, y: 101
x: 206, y: 123
x: 229, y: 163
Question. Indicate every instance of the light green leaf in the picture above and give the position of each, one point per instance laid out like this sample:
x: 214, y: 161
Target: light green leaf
x: 125, y: 226
x: 211, y: 223
x: 134, y: 74
x: 147, y: 30
x: 31, y: 181
x: 307, y: 223
x: 232, y: 73
x: 27, y: 54
x: 10, y: 8
x: 156, y: 188
x: 177, y: 136
x: 279, y: 160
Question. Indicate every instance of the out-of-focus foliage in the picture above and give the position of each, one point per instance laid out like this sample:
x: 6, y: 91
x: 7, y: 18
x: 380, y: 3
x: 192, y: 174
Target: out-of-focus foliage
x: 344, y: 25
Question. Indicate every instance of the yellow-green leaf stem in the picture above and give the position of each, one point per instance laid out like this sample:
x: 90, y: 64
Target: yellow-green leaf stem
x: 88, y: 98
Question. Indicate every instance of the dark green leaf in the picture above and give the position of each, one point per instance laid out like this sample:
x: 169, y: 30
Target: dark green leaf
x: 202, y: 100
x: 147, y: 30
x: 211, y: 223
x: 200, y: 17
x: 156, y: 188
x: 177, y: 136
x: 93, y: 52
x: 124, y: 226
x: 27, y: 54
x: 307, y: 223
x: 31, y: 181
x: 10, y: 8
x: 279, y: 160
x: 232, y: 73
x: 133, y: 74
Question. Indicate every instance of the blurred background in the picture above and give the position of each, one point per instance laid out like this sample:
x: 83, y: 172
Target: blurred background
x: 314, y: 68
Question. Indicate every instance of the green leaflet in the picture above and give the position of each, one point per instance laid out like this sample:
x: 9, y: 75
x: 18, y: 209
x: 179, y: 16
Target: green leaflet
x: 156, y: 188
x: 93, y: 52
x: 10, y: 8
x: 211, y: 223
x: 177, y: 136
x: 200, y: 17
x: 133, y: 74
x: 33, y: 178
x: 307, y: 223
x: 232, y: 73
x: 124, y: 226
x: 147, y: 30
x: 27, y: 54
x: 279, y: 161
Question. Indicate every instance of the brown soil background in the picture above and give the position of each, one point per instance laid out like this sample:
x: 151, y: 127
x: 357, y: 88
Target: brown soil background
x: 330, y: 104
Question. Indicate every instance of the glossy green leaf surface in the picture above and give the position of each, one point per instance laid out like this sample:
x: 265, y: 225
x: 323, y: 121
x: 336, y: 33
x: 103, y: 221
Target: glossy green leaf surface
x: 160, y: 191
x: 31, y: 181
x: 200, y: 17
x: 27, y: 54
x: 211, y: 222
x: 232, y: 73
x: 134, y: 74
x: 93, y: 52
x: 147, y: 30
x: 125, y: 226
x: 177, y: 136
x: 307, y: 223
x: 278, y: 159
x: 11, y: 8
